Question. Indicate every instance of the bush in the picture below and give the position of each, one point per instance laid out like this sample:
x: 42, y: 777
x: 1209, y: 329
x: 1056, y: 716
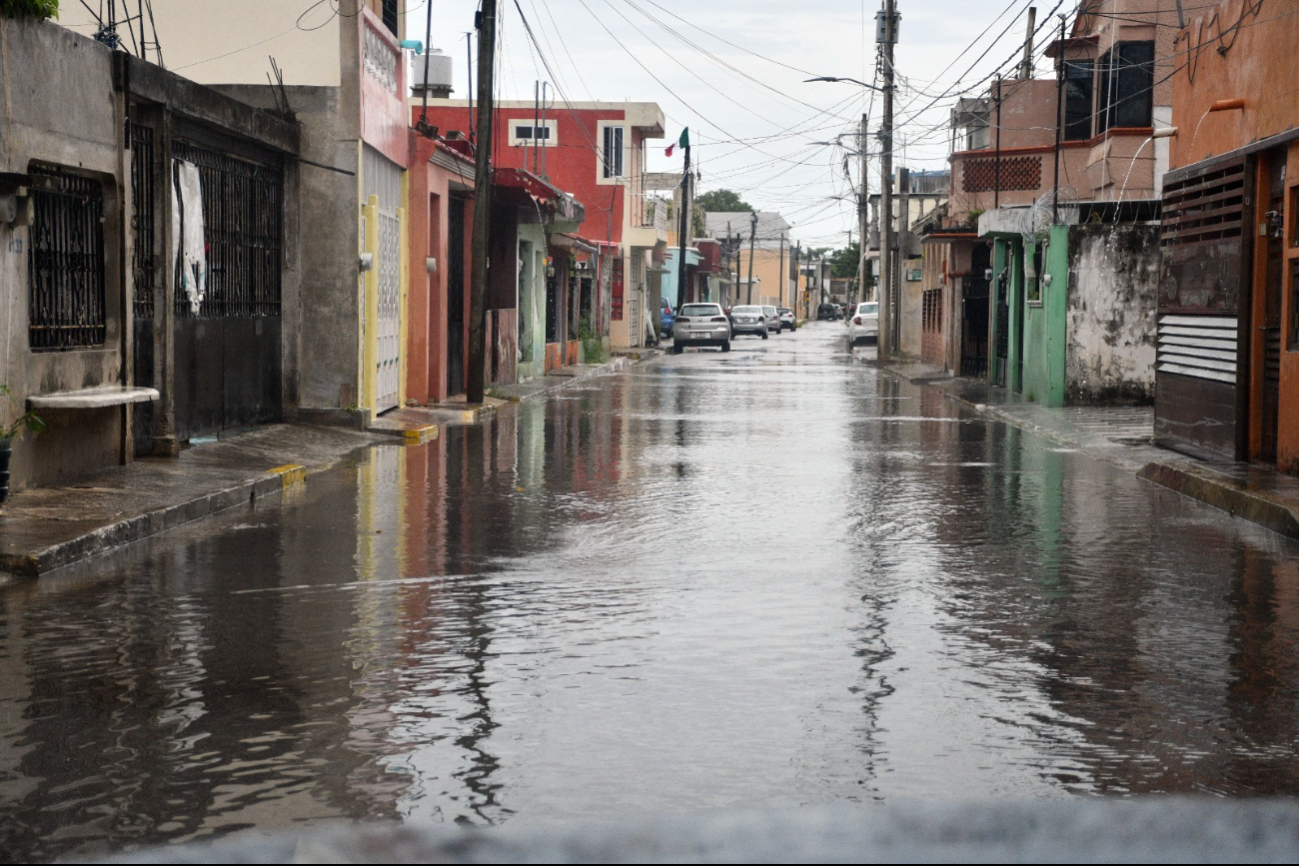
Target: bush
x: 29, y: 8
x: 593, y: 351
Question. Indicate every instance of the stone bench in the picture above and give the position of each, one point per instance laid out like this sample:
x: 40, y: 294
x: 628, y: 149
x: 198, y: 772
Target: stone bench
x: 93, y: 398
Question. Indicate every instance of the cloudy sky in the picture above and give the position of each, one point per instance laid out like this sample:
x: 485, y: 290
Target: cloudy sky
x: 735, y: 74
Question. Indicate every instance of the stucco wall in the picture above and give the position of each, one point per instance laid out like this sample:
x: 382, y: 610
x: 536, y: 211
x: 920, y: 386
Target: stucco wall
x: 60, y: 108
x: 1112, y: 314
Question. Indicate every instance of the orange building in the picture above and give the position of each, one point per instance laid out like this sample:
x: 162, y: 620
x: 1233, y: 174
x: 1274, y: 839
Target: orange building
x: 1228, y: 369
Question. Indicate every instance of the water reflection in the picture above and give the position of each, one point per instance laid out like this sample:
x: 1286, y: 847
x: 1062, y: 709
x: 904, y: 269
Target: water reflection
x: 719, y: 581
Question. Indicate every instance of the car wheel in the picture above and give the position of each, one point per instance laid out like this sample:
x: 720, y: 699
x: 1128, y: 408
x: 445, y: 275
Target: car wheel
x: 726, y: 347
x: 677, y: 350
x: 764, y: 335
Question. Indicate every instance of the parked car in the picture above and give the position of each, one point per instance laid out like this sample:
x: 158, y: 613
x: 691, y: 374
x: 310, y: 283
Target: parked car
x: 864, y: 324
x: 787, y: 319
x: 748, y: 320
x: 701, y: 325
x: 825, y: 313
x: 838, y: 311
x: 666, y: 318
x: 773, y: 319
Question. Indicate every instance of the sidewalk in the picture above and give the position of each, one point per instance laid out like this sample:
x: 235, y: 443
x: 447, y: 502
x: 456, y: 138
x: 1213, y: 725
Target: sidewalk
x: 1124, y: 436
x: 45, y: 528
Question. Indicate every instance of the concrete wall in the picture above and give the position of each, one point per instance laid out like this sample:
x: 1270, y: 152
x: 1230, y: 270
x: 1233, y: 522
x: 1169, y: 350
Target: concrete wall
x: 1111, y: 312
x: 532, y: 301
x: 60, y: 108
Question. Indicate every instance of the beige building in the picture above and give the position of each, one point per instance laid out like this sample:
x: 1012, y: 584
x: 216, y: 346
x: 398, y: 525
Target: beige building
x: 773, y: 257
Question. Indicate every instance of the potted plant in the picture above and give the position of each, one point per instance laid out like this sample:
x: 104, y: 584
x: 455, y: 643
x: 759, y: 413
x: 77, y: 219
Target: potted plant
x: 8, y: 433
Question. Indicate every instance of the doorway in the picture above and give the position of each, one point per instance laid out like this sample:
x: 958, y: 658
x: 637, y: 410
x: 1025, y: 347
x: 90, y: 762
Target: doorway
x: 456, y: 297
x: 974, y: 314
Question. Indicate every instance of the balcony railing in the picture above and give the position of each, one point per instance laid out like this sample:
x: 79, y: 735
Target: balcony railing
x: 379, y: 56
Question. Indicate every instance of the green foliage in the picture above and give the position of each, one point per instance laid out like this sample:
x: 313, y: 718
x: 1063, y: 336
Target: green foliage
x: 28, y: 422
x: 722, y: 201
x: 29, y: 8
x: 593, y: 350
x: 844, y: 262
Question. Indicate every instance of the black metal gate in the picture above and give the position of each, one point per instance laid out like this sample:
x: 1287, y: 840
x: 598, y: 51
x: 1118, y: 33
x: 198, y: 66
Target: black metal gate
x: 144, y: 264
x: 66, y: 264
x: 456, y: 296
x: 228, y: 364
x: 974, y: 326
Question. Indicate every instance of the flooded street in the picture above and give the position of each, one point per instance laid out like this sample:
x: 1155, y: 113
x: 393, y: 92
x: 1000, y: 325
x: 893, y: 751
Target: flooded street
x: 774, y: 577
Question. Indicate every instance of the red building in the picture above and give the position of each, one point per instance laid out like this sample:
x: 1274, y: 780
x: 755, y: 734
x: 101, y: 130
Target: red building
x: 594, y: 151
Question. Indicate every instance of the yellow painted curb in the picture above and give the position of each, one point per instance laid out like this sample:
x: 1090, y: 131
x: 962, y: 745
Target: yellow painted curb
x: 290, y: 474
x: 420, y: 435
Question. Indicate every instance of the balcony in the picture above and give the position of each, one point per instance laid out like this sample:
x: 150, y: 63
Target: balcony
x: 652, y: 227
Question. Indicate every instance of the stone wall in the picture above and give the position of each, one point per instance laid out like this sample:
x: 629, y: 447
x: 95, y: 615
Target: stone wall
x: 1111, y: 309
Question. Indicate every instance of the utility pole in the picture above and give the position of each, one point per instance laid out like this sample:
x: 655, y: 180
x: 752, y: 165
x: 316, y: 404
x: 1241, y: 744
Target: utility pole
x: 784, y: 275
x: 863, y: 210
x: 1059, y: 108
x: 753, y: 234
x: 476, y: 386
x: 685, y: 225
x: 1026, y: 68
x: 886, y: 186
x: 798, y: 277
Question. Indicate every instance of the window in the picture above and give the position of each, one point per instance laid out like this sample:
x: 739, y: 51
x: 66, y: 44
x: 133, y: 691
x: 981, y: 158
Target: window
x: 1034, y: 255
x: 65, y: 267
x: 612, y: 152
x: 390, y: 17
x: 526, y: 133
x: 1127, y: 82
x: 1079, y: 88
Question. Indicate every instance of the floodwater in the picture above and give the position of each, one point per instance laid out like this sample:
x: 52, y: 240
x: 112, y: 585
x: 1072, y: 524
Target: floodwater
x: 763, y: 579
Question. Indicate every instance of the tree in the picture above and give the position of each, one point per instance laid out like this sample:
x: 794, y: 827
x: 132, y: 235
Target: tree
x: 723, y: 201
x: 844, y: 262
x: 29, y: 8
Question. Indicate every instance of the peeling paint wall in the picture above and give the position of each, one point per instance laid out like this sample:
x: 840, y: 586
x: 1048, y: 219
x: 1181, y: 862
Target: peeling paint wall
x: 1112, y: 314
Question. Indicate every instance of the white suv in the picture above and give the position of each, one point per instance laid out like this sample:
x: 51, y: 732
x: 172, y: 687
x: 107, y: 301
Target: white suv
x: 864, y: 323
x: 701, y: 325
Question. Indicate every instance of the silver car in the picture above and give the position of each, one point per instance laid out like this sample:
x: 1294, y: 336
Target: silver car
x: 749, y: 320
x: 773, y: 319
x: 701, y: 325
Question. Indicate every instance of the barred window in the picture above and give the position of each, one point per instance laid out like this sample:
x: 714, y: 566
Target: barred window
x: 65, y: 264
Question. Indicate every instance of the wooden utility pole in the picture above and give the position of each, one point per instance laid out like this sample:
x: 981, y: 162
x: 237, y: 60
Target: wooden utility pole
x: 683, y: 231
x: 784, y: 275
x: 753, y: 234
x: 886, y: 187
x: 476, y: 386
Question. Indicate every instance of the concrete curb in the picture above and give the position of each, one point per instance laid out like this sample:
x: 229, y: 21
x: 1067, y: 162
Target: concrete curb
x: 139, y: 527
x: 119, y: 533
x: 1254, y: 506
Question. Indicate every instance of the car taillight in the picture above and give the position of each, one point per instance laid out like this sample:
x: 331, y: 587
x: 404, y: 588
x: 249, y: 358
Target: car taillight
x: 719, y: 319
x: 857, y: 321
x: 682, y: 320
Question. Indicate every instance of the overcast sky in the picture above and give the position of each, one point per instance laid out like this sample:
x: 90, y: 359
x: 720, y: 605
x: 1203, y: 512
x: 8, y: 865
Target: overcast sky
x: 754, y: 122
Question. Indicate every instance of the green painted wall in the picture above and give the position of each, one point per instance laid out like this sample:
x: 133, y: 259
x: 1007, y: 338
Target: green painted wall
x: 1045, y: 320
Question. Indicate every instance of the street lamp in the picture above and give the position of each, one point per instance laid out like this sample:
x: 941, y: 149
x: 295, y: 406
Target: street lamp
x: 848, y: 80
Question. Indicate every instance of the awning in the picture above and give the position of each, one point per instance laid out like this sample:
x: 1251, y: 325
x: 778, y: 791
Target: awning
x: 574, y: 242
x: 566, y: 207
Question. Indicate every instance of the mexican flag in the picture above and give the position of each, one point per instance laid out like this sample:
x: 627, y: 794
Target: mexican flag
x: 683, y: 141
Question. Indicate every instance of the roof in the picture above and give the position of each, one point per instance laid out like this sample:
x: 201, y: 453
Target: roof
x: 645, y: 116
x: 770, y: 226
x: 565, y: 205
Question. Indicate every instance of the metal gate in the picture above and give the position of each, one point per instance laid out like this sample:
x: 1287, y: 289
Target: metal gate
x: 381, y: 185
x: 1205, y: 250
x: 144, y: 263
x: 66, y: 263
x: 227, y: 354
x: 388, y: 327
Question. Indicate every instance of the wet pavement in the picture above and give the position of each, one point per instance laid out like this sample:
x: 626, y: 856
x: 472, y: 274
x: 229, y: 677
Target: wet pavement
x: 770, y: 578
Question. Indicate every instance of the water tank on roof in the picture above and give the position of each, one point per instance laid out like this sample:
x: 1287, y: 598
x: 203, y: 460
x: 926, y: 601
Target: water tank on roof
x: 439, y: 74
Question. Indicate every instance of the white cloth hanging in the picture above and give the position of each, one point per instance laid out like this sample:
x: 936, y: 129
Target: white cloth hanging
x: 187, y: 232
